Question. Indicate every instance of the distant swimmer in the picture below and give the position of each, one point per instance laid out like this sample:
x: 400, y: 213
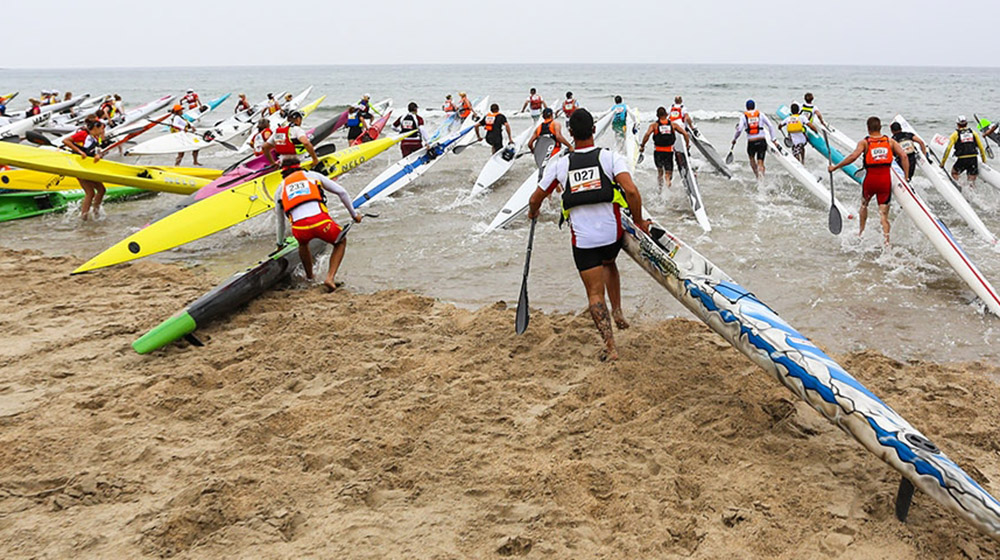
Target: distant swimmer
x: 302, y: 200
x: 260, y: 138
x: 191, y: 99
x: 548, y: 127
x: 534, y: 103
x: 410, y: 121
x: 179, y: 124
x: 620, y: 118
x: 290, y: 140
x: 664, y: 132
x: 596, y: 187
x: 878, y: 150
x: 241, y: 104
x: 810, y: 111
x: 569, y: 105
x: 753, y: 123
x: 494, y: 123
x: 968, y: 147
x: 795, y: 124
x: 87, y: 143
x: 907, y: 141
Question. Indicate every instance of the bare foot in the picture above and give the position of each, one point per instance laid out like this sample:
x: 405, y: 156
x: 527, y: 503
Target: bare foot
x: 619, y: 318
x: 330, y: 286
x: 609, y: 355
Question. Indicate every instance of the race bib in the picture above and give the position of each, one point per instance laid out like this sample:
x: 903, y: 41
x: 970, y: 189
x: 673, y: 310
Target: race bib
x: 586, y: 179
x: 907, y: 146
x: 880, y: 154
x: 665, y: 128
x: 297, y: 189
x: 966, y: 136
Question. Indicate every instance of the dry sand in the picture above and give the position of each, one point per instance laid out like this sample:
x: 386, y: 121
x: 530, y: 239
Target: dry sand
x: 391, y: 425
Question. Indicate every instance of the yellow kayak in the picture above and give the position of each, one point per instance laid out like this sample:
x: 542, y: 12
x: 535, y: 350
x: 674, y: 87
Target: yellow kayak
x: 58, y: 162
x: 225, y: 209
x: 31, y: 180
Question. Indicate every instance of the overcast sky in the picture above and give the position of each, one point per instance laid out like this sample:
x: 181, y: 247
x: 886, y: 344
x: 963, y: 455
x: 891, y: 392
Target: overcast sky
x: 74, y: 34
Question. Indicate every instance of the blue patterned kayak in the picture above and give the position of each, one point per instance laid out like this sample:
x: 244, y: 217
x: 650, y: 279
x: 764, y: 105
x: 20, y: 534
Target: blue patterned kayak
x: 771, y: 343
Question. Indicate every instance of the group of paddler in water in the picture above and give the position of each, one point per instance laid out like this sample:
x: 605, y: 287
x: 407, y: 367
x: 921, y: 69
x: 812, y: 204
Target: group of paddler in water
x: 596, y: 184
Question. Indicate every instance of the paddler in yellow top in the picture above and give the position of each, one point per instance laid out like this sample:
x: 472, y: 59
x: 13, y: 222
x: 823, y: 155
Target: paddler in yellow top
x: 795, y: 124
x: 810, y: 110
x: 968, y: 147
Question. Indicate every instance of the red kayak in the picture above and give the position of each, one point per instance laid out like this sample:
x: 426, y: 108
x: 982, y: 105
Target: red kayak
x: 372, y: 132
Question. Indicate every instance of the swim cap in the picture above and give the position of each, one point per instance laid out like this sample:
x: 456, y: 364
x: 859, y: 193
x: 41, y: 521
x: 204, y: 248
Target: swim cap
x: 751, y: 104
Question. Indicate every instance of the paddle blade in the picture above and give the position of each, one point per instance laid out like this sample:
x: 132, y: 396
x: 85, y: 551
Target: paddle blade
x: 521, y: 317
x: 641, y: 157
x: 729, y: 158
x: 836, y: 223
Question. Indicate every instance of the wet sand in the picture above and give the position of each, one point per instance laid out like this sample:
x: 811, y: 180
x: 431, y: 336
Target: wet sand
x: 392, y: 425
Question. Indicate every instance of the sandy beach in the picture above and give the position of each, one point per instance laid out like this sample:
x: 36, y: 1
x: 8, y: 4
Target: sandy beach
x: 392, y: 425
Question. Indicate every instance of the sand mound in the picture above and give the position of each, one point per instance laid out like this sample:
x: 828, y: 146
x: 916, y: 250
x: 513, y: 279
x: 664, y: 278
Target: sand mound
x: 390, y: 425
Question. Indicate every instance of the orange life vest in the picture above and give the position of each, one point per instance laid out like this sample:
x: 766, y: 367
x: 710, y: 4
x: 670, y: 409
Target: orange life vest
x: 488, y: 121
x: 879, y: 151
x: 297, y: 189
x: 569, y: 106
x: 545, y: 129
x: 753, y: 122
x: 676, y: 113
x: 466, y: 108
x: 448, y: 107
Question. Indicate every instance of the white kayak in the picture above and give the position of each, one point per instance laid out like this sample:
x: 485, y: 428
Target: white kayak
x: 501, y: 162
x: 939, y: 144
x: 53, y: 108
x: 708, y: 150
x: 757, y: 331
x: 17, y: 129
x: 812, y: 184
x: 407, y: 170
x: 632, y: 122
x: 691, y: 187
x: 517, y: 204
x: 943, y: 184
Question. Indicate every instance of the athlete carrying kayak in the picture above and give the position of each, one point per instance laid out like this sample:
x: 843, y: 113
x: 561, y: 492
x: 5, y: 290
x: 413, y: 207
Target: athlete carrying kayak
x: 620, y: 111
x: 535, y: 103
x: 548, y: 127
x: 569, y: 105
x: 191, y: 99
x: 810, y: 111
x: 907, y: 141
x: 968, y: 146
x: 596, y: 187
x: 358, y: 119
x: 260, y: 138
x: 290, y: 140
x: 795, y: 124
x: 87, y: 142
x: 465, y: 106
x: 241, y: 104
x: 410, y: 121
x: 494, y: 122
x: 179, y: 124
x: 753, y: 122
x: 448, y: 106
x: 664, y: 131
x: 301, y: 198
x: 878, y: 150
x: 677, y: 113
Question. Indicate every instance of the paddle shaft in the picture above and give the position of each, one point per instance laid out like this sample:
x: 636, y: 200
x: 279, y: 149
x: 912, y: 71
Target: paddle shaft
x: 835, y: 222
x: 521, y: 320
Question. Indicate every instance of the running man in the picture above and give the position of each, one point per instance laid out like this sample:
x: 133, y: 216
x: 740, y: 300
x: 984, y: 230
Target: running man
x: 548, y: 127
x: 907, y: 141
x: 535, y: 103
x: 810, y: 110
x: 968, y: 146
x: 290, y: 140
x: 569, y: 105
x: 753, y: 122
x: 795, y: 124
x: 301, y: 199
x: 87, y: 142
x: 494, y: 122
x: 620, y: 110
x: 410, y: 121
x: 678, y: 113
x: 878, y: 150
x: 596, y: 186
x: 179, y: 124
x: 664, y: 131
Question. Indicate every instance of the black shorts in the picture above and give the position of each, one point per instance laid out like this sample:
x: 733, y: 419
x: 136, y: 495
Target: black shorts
x: 664, y: 160
x: 968, y: 165
x: 757, y: 149
x: 496, y: 143
x: 589, y: 258
x: 354, y: 132
x: 913, y: 165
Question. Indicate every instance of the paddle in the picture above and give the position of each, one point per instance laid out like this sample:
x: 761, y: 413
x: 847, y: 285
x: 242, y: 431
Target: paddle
x: 836, y: 222
x: 729, y: 157
x: 521, y: 320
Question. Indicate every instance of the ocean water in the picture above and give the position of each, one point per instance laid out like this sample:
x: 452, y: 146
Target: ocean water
x: 843, y: 292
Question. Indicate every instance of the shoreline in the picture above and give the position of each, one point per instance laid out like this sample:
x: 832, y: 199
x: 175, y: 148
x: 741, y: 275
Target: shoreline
x: 391, y: 424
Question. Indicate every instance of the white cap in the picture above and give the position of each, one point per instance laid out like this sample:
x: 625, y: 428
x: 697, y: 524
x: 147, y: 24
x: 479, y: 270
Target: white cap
x: 961, y: 119
x: 190, y: 90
